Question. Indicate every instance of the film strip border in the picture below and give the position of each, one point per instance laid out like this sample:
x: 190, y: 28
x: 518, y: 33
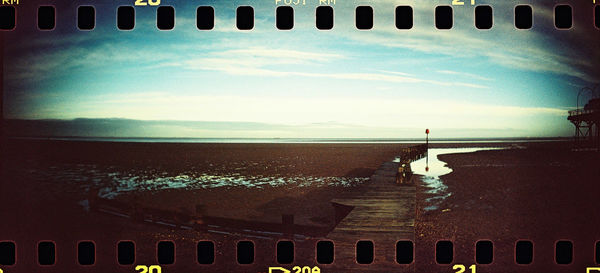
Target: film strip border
x: 206, y: 253
x: 284, y: 17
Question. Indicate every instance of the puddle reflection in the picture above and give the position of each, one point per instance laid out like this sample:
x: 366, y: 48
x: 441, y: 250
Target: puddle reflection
x: 431, y: 168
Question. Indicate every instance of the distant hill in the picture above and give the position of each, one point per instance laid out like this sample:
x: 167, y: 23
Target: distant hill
x: 131, y: 128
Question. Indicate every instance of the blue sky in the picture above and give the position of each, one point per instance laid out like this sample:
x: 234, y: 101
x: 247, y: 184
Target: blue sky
x: 384, y: 82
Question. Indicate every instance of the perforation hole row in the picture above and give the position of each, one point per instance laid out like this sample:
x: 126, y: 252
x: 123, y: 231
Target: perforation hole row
x: 284, y: 17
x: 47, y: 252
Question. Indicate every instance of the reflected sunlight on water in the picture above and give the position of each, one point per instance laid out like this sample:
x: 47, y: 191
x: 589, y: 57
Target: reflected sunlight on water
x: 113, y: 182
x: 431, y: 168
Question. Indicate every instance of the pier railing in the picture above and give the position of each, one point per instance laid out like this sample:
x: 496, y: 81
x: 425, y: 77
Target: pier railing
x: 581, y: 111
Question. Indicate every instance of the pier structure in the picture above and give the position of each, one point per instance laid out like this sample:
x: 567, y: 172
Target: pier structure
x: 383, y: 213
x: 587, y: 122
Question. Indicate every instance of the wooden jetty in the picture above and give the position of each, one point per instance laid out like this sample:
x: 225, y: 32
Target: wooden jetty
x: 384, y: 214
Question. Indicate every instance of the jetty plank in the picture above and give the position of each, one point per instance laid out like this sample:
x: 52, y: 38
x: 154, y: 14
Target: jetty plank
x: 384, y: 214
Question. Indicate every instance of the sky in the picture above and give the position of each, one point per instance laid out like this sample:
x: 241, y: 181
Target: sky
x: 305, y: 82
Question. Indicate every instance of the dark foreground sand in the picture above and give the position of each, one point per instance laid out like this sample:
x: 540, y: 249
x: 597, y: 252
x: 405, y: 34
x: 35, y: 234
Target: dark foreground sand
x: 309, y: 203
x: 42, y: 208
x: 543, y: 193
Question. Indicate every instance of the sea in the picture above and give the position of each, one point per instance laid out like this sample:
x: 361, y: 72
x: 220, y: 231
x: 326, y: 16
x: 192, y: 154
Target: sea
x: 301, y: 140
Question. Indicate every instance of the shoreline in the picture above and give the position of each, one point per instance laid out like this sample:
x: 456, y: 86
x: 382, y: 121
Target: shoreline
x: 542, y: 193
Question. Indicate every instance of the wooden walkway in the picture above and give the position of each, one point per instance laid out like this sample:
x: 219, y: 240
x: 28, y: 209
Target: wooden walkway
x: 384, y: 214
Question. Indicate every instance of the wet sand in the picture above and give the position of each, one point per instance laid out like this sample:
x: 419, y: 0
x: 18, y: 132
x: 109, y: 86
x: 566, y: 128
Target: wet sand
x: 44, y: 163
x: 543, y: 193
x: 44, y: 208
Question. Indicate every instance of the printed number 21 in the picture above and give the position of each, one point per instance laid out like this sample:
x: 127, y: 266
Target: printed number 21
x: 148, y: 269
x: 461, y: 268
x: 150, y: 2
x: 461, y: 3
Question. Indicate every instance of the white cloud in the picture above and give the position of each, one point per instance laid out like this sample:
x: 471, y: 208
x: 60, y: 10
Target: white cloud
x: 464, y: 74
x: 256, y: 61
x: 540, y: 49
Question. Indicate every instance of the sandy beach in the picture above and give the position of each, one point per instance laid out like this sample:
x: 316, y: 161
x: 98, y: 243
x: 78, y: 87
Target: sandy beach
x: 543, y: 193
x: 310, y: 174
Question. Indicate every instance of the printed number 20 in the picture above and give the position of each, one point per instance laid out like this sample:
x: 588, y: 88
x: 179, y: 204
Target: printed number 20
x: 461, y: 268
x: 150, y: 2
x: 461, y: 3
x: 148, y: 269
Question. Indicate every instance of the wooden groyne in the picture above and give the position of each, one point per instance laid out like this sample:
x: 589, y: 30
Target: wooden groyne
x: 183, y: 219
x: 384, y: 213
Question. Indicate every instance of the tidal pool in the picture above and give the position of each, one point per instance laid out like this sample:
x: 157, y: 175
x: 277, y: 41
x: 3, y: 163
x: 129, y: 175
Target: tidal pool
x: 431, y: 168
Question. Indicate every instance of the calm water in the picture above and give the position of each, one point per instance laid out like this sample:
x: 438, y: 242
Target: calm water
x: 431, y: 176
x: 298, y: 140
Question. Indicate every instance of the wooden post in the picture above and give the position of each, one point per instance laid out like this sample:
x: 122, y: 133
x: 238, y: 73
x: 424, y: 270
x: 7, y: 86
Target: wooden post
x: 427, y: 150
x: 93, y: 199
x: 427, y: 138
x: 200, y: 209
x: 199, y: 223
x: 287, y: 221
x: 137, y: 213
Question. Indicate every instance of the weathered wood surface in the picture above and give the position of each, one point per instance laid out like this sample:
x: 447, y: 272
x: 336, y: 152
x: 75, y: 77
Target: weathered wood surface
x: 384, y: 213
